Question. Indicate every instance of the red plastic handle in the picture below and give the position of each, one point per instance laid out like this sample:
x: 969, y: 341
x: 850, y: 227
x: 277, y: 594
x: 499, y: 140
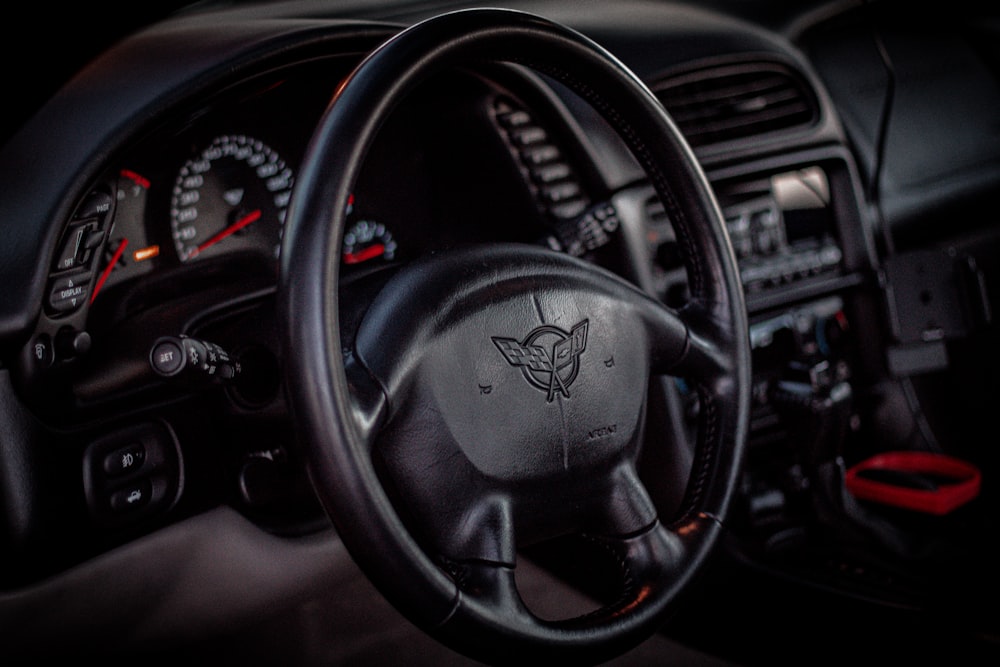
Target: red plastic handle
x: 945, y: 498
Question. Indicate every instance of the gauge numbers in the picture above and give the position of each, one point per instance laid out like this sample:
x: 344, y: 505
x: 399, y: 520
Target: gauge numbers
x: 233, y: 196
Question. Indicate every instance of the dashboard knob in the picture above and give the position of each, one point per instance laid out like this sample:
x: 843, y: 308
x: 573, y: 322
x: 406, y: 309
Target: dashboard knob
x: 71, y: 343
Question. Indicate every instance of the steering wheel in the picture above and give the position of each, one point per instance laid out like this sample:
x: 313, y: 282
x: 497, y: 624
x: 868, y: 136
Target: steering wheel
x: 494, y: 397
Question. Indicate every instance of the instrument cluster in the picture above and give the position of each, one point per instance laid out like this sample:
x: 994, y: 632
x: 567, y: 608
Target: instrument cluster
x: 218, y: 184
x: 181, y: 232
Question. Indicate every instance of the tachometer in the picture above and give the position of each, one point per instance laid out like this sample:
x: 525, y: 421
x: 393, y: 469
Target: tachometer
x: 232, y: 196
x: 367, y: 240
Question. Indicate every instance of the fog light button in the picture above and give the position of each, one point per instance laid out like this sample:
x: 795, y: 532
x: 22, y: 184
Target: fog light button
x: 125, y: 460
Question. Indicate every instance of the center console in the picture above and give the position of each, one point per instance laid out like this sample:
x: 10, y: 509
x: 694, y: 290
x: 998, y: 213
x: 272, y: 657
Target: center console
x: 807, y: 261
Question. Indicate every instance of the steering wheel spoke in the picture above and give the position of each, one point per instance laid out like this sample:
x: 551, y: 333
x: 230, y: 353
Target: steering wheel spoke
x: 493, y: 586
x: 369, y: 403
x: 654, y: 564
x: 706, y: 357
x: 625, y: 508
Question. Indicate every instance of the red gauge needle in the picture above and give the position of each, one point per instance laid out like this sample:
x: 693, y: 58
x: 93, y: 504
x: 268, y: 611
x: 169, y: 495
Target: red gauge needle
x: 108, y: 269
x: 246, y: 220
x: 372, y: 251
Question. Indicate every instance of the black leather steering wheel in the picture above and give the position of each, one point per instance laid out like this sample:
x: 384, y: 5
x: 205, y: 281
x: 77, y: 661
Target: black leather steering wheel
x: 432, y: 483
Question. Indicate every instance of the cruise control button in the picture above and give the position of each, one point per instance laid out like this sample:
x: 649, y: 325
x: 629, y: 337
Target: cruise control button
x: 66, y: 258
x: 167, y: 357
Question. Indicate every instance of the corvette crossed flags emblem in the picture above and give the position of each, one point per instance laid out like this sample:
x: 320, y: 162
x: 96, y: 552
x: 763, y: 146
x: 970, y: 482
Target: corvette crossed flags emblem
x: 549, y: 357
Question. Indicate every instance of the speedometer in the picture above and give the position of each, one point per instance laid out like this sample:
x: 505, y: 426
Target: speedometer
x: 232, y: 196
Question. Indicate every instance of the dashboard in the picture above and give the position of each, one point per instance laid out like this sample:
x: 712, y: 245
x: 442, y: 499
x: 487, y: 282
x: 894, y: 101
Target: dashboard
x: 200, y: 202
x: 173, y: 254
x: 179, y: 240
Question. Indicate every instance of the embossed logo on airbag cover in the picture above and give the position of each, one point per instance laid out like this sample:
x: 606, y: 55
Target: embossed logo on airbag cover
x: 548, y: 357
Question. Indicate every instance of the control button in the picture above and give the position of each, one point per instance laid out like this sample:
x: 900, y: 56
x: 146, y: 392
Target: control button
x: 751, y: 274
x: 42, y: 351
x: 830, y: 255
x: 78, y: 246
x: 125, y: 460
x: 98, y: 204
x: 70, y: 248
x: 69, y: 292
x: 767, y: 218
x: 131, y: 497
x: 739, y: 233
x: 764, y: 241
x: 167, y: 357
x: 607, y: 215
x: 92, y: 239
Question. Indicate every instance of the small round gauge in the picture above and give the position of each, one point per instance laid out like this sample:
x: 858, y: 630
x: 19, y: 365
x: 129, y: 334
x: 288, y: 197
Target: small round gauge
x: 367, y: 240
x: 233, y: 196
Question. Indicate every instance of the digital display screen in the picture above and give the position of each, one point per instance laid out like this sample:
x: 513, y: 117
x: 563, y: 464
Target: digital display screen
x: 803, y: 197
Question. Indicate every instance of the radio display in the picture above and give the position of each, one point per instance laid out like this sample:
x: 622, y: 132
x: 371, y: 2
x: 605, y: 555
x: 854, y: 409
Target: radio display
x: 781, y: 227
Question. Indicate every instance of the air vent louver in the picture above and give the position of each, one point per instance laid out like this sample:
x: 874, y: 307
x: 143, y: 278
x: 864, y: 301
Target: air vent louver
x: 732, y: 102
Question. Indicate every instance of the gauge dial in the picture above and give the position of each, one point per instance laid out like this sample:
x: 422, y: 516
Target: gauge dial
x: 233, y: 196
x: 367, y: 240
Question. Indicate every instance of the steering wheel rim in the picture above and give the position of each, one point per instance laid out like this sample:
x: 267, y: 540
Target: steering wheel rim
x: 341, y: 401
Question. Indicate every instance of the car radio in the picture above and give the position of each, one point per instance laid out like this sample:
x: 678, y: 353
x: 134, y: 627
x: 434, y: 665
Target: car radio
x: 781, y: 227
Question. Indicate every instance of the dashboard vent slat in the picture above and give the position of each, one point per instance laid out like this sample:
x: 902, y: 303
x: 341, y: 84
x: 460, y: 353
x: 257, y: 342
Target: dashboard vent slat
x: 737, y: 101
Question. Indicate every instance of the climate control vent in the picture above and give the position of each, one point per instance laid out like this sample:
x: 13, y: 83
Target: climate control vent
x: 735, y: 101
x: 548, y: 171
x: 576, y: 224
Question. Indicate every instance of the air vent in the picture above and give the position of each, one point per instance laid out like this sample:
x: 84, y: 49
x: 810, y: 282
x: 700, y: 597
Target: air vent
x: 733, y: 102
x: 556, y: 187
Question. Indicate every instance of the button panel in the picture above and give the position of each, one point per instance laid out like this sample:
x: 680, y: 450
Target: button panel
x: 73, y: 264
x: 132, y: 474
x: 60, y: 337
